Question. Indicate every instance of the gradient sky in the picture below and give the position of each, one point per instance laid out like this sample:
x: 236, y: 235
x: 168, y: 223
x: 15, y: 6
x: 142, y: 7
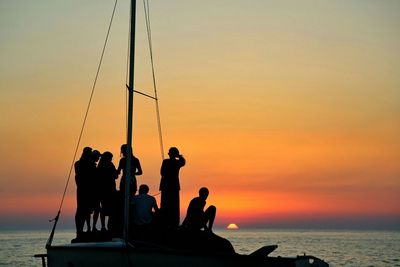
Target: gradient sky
x: 288, y: 111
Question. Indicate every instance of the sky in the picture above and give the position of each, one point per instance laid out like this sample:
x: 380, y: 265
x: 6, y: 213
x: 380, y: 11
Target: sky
x: 288, y: 111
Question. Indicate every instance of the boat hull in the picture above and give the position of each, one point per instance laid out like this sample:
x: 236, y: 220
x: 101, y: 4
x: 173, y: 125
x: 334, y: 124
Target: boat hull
x: 112, y: 254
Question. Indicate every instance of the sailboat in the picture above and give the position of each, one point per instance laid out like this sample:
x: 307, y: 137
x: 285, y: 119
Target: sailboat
x: 127, y: 252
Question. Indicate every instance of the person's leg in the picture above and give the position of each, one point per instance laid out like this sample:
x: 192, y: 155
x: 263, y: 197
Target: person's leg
x: 165, y: 209
x: 209, y: 215
x: 175, y: 216
x: 95, y: 218
x: 80, y: 213
x: 87, y: 220
x: 79, y: 222
x: 103, y: 221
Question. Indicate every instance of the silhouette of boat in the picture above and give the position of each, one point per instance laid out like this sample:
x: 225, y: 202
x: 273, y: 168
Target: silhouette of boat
x: 175, y: 248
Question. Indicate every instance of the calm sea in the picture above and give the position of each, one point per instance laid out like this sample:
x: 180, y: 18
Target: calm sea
x: 338, y: 248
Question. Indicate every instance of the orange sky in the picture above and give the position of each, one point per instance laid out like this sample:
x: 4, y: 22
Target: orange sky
x: 283, y: 109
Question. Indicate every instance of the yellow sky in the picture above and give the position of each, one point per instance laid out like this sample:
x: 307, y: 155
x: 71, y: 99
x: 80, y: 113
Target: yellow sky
x: 280, y: 107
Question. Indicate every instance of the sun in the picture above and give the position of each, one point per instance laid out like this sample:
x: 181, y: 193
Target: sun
x: 232, y: 226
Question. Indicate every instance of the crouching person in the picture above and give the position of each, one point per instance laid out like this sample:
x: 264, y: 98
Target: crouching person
x: 144, y: 208
x: 196, y: 217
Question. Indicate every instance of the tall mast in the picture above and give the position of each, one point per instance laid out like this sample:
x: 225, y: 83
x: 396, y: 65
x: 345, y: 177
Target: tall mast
x: 130, y: 118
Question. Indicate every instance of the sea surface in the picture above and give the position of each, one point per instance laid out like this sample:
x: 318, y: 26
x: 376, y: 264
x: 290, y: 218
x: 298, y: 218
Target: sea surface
x: 337, y: 247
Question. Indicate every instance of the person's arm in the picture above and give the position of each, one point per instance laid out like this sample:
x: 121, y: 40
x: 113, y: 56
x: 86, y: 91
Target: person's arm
x: 114, y: 171
x: 163, y: 169
x: 120, y: 167
x: 163, y: 172
x: 181, y: 160
x: 138, y: 168
x: 155, y: 207
x: 77, y: 172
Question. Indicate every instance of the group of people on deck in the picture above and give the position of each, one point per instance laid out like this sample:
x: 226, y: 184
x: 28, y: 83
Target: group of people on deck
x: 97, y: 195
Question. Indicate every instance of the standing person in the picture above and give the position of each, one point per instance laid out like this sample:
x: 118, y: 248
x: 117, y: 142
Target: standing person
x: 169, y: 187
x: 106, y: 173
x: 84, y: 171
x: 95, y: 192
x: 196, y: 217
x: 136, y: 169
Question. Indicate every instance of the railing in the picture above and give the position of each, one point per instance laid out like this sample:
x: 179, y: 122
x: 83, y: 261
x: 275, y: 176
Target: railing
x: 43, y: 257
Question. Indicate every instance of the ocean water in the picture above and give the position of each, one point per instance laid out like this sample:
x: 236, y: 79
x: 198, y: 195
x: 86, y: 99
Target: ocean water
x: 338, y: 248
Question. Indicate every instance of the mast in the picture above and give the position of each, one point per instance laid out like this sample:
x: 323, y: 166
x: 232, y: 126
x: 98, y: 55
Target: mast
x: 130, y: 118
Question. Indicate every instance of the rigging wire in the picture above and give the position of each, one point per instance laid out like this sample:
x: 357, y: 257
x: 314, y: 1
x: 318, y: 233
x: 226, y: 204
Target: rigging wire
x: 50, y: 240
x: 148, y: 27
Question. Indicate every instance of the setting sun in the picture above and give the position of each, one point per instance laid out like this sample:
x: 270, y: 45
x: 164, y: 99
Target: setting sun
x: 232, y: 226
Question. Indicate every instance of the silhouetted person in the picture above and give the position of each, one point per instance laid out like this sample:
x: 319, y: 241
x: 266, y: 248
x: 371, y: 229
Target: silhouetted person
x: 169, y: 187
x: 95, y: 192
x: 196, y: 217
x: 106, y: 174
x: 144, y: 206
x: 136, y: 169
x: 84, y: 172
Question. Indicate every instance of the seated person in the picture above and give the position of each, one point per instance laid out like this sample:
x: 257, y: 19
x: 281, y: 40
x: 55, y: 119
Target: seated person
x: 196, y: 217
x: 143, y: 206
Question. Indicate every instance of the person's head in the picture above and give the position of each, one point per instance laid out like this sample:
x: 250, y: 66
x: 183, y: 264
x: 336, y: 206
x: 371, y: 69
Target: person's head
x: 124, y: 150
x: 173, y: 152
x: 86, y: 153
x: 96, y: 155
x: 203, y: 193
x: 143, y: 189
x: 106, y: 156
